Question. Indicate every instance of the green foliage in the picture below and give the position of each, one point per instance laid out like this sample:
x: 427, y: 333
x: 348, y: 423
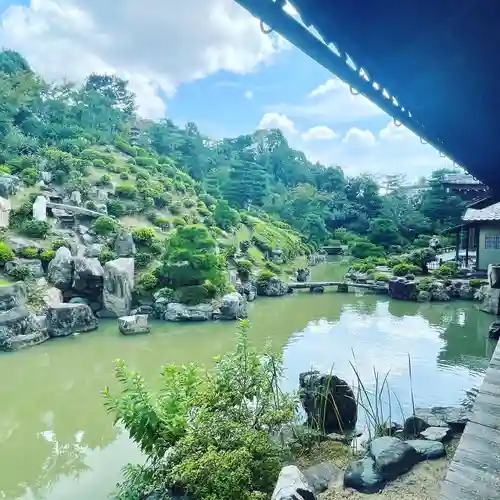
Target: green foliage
x: 364, y: 249
x: 47, y: 255
x: 142, y: 259
x: 125, y: 148
x: 124, y: 176
x: 115, y: 208
x: 106, y: 255
x: 476, y: 282
x: 36, y: 228
x: 105, y: 225
x: 220, y: 446
x: 190, y: 260
x: 146, y: 282
x: 145, y: 161
x: 175, y: 208
x: 422, y: 257
x: 126, y: 191
x: 56, y: 244
x: 405, y: 269
x: 161, y: 221
x: 178, y: 222
x: 21, y: 273
x: 426, y: 284
x: 144, y: 236
x: 365, y: 266
x: 244, y: 268
x: 225, y: 217
x: 447, y: 270
x: 6, y: 254
x: 105, y: 180
x: 263, y: 278
x: 274, y: 268
x: 29, y: 253
x: 29, y: 176
x: 381, y: 277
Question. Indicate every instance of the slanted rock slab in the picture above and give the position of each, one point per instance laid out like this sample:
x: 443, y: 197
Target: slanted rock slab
x: 292, y: 485
x: 362, y: 475
x: 392, y: 456
x: 324, y: 476
x: 436, y: 433
x: 427, y: 450
x: 132, y: 325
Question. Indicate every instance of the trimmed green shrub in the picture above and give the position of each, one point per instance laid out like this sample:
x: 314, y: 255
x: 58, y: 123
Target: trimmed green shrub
x: 21, y: 273
x: 142, y: 259
x: 29, y: 253
x: 144, y: 235
x: 476, y: 282
x: 104, y: 225
x: 36, y: 228
x: 126, y: 191
x: 146, y: 282
x: 106, y: 255
x: 56, y: 244
x: 404, y: 269
x: 47, y: 255
x: 244, y: 268
x: 6, y: 254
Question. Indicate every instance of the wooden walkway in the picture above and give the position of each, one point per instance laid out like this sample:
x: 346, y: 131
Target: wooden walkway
x: 474, y: 473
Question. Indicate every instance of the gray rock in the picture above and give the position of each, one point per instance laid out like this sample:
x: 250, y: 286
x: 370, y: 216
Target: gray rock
x: 292, y: 485
x: 5, y: 208
x: 274, y: 288
x: 9, y: 184
x: 494, y: 275
x: 94, y: 250
x: 456, y: 417
x: 118, y: 286
x: 392, y: 456
x: 40, y: 208
x: 102, y: 195
x: 249, y: 290
x: 60, y: 270
x: 317, y: 289
x: 11, y: 296
x: 466, y: 292
x: 46, y: 176
x: 328, y: 401
x: 436, y: 433
x: 76, y: 198
x: 144, y: 310
x: 424, y: 296
x: 88, y: 276
x: 490, y: 300
x: 79, y: 300
x: 233, y: 306
x: 362, y: 475
x: 439, y: 293
x: 402, y: 289
x: 35, y: 265
x: 18, y: 243
x: 124, y: 245
x: 494, y: 330
x: 132, y: 325
x: 180, y: 312
x: 414, y: 426
x: 324, y: 476
x: 427, y: 450
x: 303, y: 274
x: 65, y: 319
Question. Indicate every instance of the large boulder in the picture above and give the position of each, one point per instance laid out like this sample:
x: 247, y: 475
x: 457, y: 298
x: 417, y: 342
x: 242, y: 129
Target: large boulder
x: 274, y: 288
x: 9, y: 184
x: 439, y: 293
x: 233, y: 306
x: 181, y: 312
x: 303, y: 274
x: 455, y: 417
x: 494, y: 330
x: 392, y: 456
x: 65, y: 319
x: 124, y: 245
x: 118, y: 286
x: 132, y: 325
x: 60, y: 270
x: 491, y: 300
x: 88, y: 277
x: 402, y: 289
x: 424, y: 296
x: 427, y: 450
x: 494, y: 275
x: 324, y: 476
x: 328, y: 401
x: 248, y: 289
x: 292, y: 485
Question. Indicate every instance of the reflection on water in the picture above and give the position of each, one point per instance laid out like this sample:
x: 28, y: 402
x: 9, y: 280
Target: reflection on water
x: 57, y: 442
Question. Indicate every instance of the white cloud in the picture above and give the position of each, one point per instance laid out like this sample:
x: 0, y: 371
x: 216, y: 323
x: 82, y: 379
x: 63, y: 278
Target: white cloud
x: 276, y: 120
x: 393, y: 132
x: 359, y: 137
x: 156, y: 44
x: 319, y: 133
x: 248, y: 94
x: 330, y: 85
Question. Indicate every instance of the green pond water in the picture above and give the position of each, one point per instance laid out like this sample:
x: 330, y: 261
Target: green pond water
x: 58, y: 443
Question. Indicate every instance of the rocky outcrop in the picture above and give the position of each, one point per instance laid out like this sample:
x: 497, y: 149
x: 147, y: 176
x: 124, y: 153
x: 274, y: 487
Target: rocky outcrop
x: 402, y: 289
x: 494, y: 330
x: 439, y: 293
x: 392, y: 456
x: 324, y: 476
x: 247, y: 288
x: 424, y: 296
x: 274, y: 287
x: 60, y: 270
x: 18, y: 328
x: 124, y: 245
x: 363, y: 475
x: 491, y: 300
x: 233, y: 306
x: 328, y: 401
x: 9, y: 184
x: 118, y: 286
x: 303, y: 274
x: 34, y: 265
x: 88, y: 279
x: 133, y: 325
x: 181, y: 312
x: 494, y: 275
x: 292, y: 485
x: 65, y: 319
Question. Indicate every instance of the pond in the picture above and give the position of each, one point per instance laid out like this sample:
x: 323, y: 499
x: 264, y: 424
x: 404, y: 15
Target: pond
x: 57, y: 442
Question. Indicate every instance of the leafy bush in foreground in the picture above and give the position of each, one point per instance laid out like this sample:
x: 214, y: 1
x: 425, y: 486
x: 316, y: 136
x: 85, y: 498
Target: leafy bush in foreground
x: 218, y: 427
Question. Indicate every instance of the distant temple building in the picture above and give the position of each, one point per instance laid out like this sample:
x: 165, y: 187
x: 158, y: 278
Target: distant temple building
x: 465, y: 186
x: 134, y: 135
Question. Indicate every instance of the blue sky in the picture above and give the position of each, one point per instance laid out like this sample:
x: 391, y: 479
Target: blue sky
x: 207, y: 61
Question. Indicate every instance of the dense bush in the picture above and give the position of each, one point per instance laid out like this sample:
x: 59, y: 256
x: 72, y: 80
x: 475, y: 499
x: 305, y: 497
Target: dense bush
x: 175, y: 208
x: 47, y: 255
x: 476, y: 282
x: 125, y: 148
x: 381, y: 277
x: 146, y: 282
x: 144, y: 235
x: 264, y: 278
x: 21, y: 273
x: 36, y: 228
x: 404, y: 269
x: 115, y: 208
x: 447, y: 270
x: 219, y: 446
x: 144, y: 161
x: 104, y: 225
x: 273, y: 267
x: 225, y: 217
x: 142, y: 259
x: 364, y: 249
x: 29, y: 253
x: 244, y: 268
x: 6, y: 254
x: 106, y: 255
x: 58, y: 243
x: 178, y: 222
x: 126, y: 191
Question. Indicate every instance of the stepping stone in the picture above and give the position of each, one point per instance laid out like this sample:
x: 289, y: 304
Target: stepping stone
x: 324, y: 476
x: 363, y: 476
x: 436, y: 433
x: 392, y: 456
x: 427, y: 450
x: 292, y: 485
